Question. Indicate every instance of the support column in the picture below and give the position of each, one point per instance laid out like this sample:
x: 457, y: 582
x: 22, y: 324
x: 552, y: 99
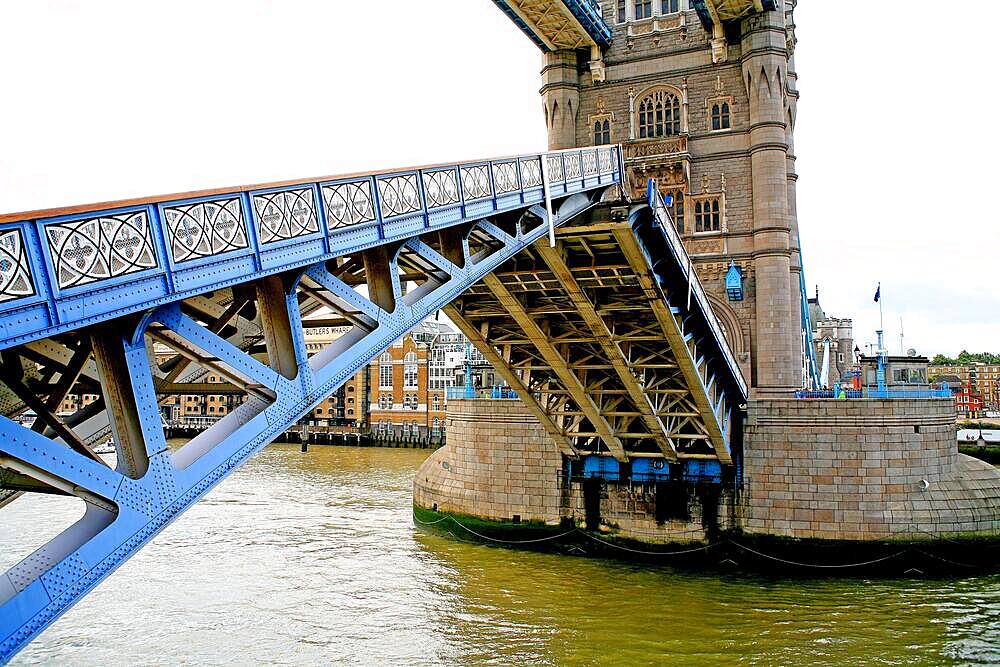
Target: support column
x: 277, y: 327
x: 119, y: 399
x: 561, y: 97
x: 777, y: 359
x: 795, y: 277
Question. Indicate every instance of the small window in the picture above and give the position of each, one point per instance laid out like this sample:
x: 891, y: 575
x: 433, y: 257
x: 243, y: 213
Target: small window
x: 707, y: 216
x: 676, y: 208
x: 669, y: 6
x: 602, y: 133
x: 621, y: 11
x: 720, y: 116
x: 643, y: 9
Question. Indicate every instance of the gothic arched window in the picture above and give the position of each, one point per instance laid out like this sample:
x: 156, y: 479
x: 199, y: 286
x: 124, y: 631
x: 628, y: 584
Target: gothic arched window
x: 708, y: 215
x: 602, y: 132
x: 720, y: 116
x: 677, y: 209
x: 659, y: 115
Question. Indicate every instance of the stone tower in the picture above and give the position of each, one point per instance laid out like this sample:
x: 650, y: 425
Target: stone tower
x: 705, y: 104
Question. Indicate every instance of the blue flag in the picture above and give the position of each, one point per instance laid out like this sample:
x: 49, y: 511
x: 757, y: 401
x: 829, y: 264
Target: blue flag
x: 878, y: 292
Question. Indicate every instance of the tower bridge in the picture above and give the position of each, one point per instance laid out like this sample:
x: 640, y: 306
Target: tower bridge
x: 638, y: 286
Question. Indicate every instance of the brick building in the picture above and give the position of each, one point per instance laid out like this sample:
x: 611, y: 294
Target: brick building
x: 402, y: 401
x: 348, y: 406
x: 710, y: 117
x: 410, y: 380
x: 968, y: 403
x: 983, y: 381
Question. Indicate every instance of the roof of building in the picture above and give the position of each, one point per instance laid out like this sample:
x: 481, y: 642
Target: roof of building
x: 430, y: 327
x: 895, y: 359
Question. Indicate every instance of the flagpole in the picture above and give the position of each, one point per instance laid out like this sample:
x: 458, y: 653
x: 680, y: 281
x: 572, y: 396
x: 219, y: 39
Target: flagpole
x: 881, y: 324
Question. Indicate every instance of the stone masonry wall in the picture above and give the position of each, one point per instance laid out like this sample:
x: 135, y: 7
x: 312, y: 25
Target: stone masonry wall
x: 863, y: 470
x: 498, y: 463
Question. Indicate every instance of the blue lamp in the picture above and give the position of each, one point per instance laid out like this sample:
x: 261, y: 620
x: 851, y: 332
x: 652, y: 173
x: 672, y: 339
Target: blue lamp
x: 734, y: 282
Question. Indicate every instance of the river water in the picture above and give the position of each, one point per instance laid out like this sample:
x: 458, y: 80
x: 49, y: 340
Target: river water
x: 314, y: 559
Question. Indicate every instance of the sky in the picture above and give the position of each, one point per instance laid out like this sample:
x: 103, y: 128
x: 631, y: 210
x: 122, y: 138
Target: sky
x: 896, y: 138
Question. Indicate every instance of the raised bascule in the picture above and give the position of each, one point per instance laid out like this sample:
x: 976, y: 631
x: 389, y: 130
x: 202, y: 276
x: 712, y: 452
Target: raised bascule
x: 638, y: 287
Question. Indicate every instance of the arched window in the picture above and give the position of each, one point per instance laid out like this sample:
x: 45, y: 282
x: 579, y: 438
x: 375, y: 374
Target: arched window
x: 708, y: 216
x: 720, y: 116
x: 676, y: 209
x: 659, y: 115
x: 436, y: 402
x: 410, y: 358
x: 602, y: 132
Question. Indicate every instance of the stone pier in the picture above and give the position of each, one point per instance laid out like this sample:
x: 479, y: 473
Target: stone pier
x: 863, y: 471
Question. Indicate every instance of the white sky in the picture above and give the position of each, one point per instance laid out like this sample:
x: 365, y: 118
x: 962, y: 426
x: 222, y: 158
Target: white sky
x: 896, y: 137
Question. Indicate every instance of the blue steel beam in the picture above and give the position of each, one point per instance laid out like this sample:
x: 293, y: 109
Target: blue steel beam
x: 60, y: 272
x: 586, y: 14
x: 386, y: 214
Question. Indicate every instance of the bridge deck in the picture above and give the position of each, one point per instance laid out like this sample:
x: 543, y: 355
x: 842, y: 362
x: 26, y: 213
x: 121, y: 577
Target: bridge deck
x: 596, y: 333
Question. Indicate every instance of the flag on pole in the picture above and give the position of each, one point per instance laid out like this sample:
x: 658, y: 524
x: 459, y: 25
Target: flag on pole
x: 878, y: 292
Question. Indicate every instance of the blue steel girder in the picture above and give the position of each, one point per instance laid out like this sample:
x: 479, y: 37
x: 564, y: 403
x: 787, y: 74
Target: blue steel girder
x: 452, y: 225
x: 559, y: 24
x: 68, y: 268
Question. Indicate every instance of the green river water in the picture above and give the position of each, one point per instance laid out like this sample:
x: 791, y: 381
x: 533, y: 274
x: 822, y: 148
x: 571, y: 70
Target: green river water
x: 312, y: 559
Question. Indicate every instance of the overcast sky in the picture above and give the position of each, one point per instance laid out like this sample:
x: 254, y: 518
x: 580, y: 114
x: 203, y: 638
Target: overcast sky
x: 896, y: 138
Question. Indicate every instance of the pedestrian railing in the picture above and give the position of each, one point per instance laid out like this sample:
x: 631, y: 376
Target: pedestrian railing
x: 874, y: 393
x: 496, y: 392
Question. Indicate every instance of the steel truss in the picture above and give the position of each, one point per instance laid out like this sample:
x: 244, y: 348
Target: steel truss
x: 611, y: 358
x: 595, y: 334
x: 252, y: 335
